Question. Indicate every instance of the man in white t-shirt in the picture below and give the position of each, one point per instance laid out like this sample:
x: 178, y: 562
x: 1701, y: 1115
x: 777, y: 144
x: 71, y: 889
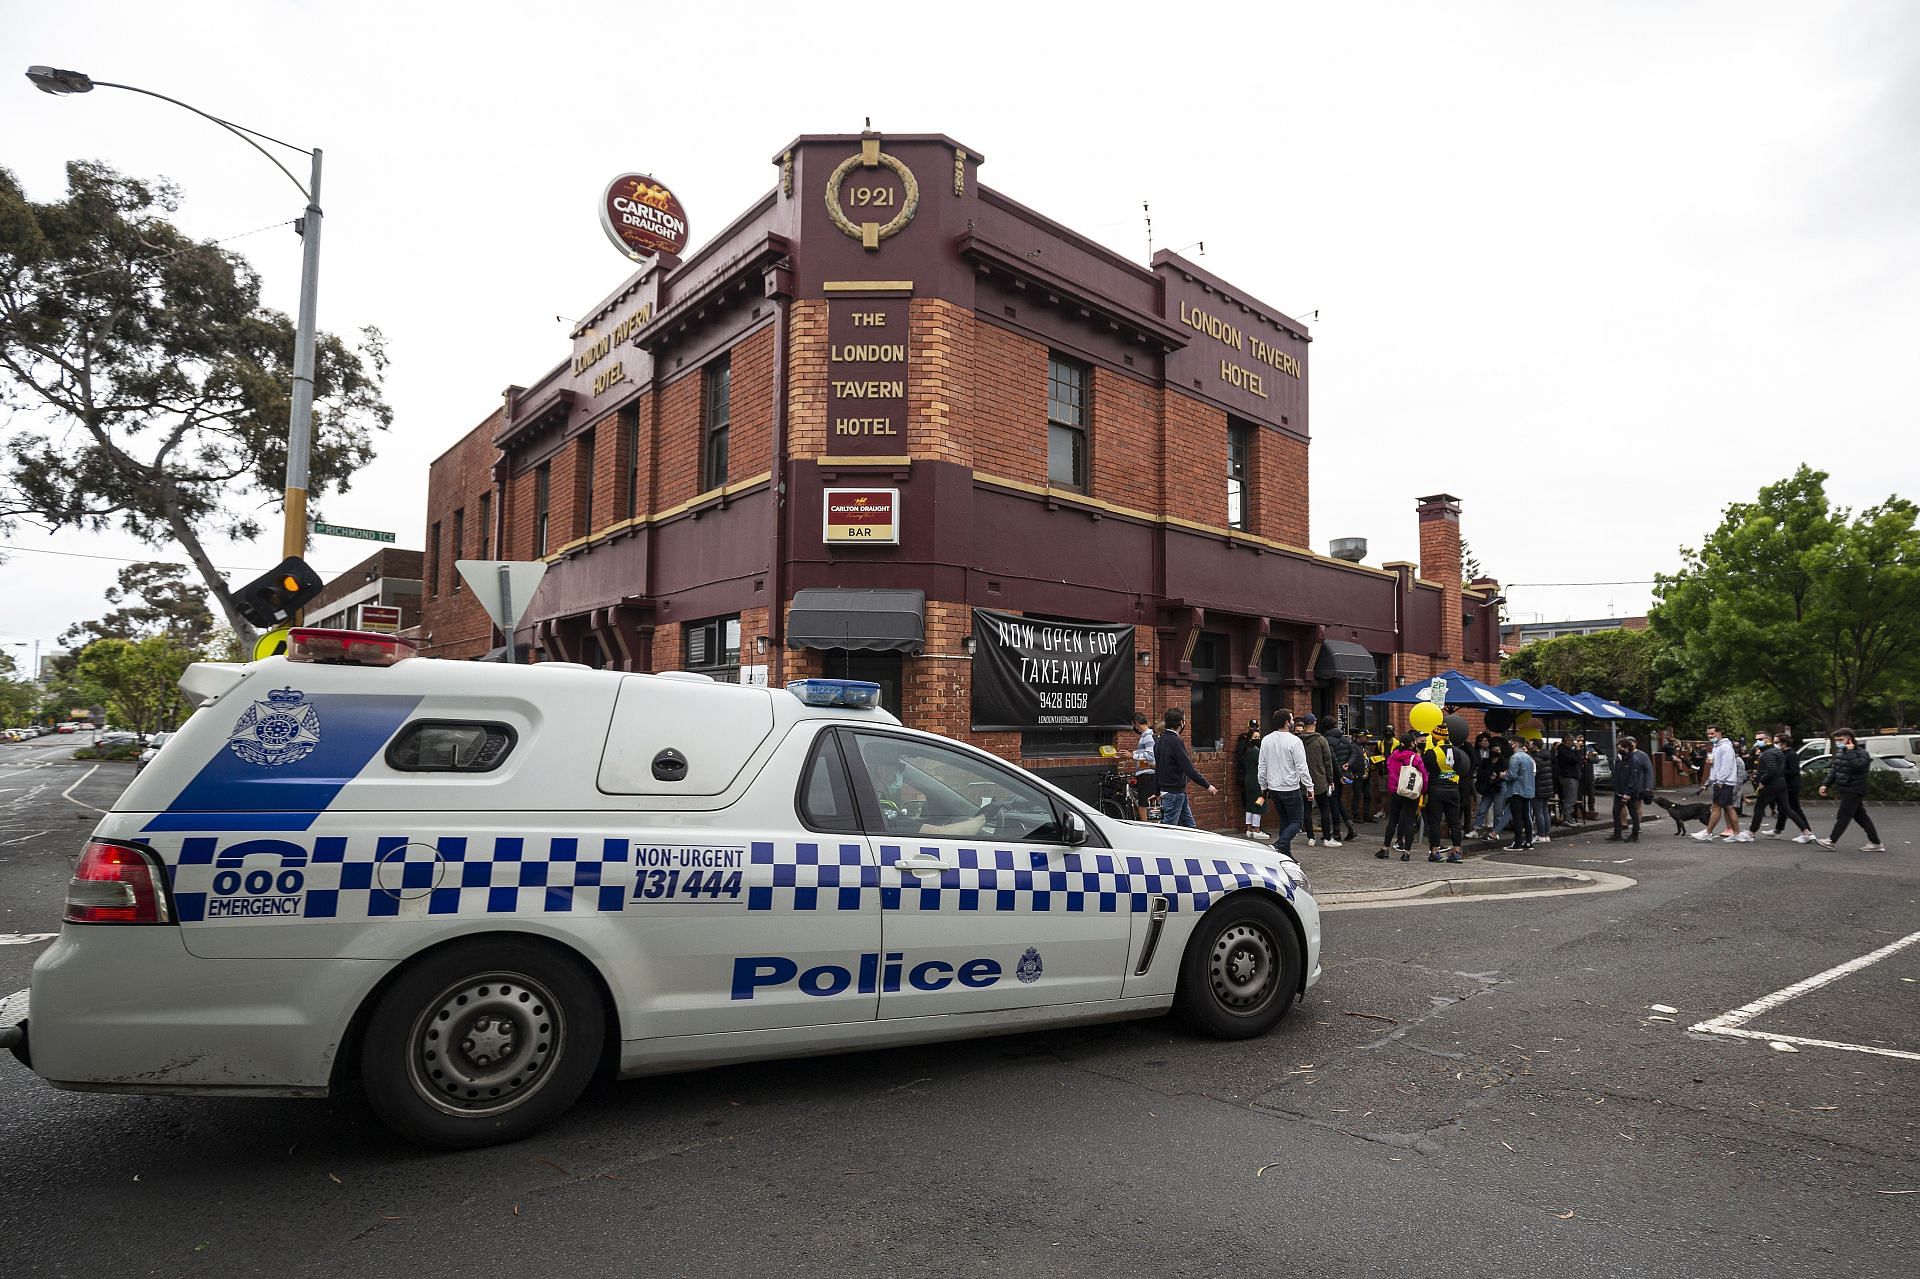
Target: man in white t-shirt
x: 1283, y: 775
x: 1723, y: 776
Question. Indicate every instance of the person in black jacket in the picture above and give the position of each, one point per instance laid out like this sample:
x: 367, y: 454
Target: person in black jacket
x: 1347, y: 761
x: 1632, y: 782
x: 1783, y: 738
x: 1847, y: 777
x: 1566, y: 780
x: 1174, y: 768
x: 1770, y: 791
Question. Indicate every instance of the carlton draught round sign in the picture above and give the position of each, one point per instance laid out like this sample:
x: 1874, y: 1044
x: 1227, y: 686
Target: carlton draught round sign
x: 642, y: 217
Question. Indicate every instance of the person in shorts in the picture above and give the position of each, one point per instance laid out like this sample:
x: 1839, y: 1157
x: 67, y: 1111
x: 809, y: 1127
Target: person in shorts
x: 1724, y: 777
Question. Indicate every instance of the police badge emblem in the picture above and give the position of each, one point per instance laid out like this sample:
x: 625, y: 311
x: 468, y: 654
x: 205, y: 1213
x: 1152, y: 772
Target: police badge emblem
x: 281, y: 730
x: 1028, y: 970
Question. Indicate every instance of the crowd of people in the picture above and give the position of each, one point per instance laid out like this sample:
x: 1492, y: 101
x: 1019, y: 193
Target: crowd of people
x: 1521, y: 787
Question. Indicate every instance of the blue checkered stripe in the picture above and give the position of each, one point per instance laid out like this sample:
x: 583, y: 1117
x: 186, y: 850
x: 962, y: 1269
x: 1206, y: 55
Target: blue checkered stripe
x: 997, y: 880
x: 489, y: 875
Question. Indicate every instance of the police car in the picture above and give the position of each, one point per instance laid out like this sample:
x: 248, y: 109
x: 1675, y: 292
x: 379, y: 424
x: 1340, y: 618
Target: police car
x: 471, y: 887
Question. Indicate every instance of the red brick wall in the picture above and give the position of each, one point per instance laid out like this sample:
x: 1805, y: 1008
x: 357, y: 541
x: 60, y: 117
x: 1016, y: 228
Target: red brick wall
x: 750, y: 436
x: 1009, y: 420
x: 1125, y: 449
x: 458, y: 627
x: 807, y: 379
x: 676, y: 475
x: 943, y: 381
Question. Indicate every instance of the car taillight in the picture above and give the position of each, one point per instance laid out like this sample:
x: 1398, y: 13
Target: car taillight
x: 115, y: 884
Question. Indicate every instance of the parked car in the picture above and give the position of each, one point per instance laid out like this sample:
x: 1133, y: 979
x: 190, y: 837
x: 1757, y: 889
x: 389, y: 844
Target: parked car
x: 66, y: 727
x: 114, y: 737
x: 145, y: 757
x: 1813, y: 772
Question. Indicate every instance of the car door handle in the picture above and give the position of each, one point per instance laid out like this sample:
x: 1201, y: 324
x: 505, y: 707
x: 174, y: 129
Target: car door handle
x: 924, y: 865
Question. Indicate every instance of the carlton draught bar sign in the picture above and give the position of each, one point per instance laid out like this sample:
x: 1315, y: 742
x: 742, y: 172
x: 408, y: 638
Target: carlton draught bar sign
x: 861, y: 517
x: 1032, y: 675
x: 642, y: 217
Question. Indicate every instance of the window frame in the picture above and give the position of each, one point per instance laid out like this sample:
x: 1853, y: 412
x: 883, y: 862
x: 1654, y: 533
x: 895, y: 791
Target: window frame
x: 866, y: 796
x: 715, y: 424
x: 412, y: 726
x: 1240, y: 485
x: 542, y: 506
x: 583, y: 483
x: 486, y: 524
x: 459, y: 536
x: 629, y: 419
x: 1081, y: 429
x: 433, y: 561
x: 1210, y: 679
x: 714, y: 669
x: 826, y: 745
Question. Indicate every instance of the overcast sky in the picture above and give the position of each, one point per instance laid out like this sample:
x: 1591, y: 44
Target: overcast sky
x: 1598, y: 269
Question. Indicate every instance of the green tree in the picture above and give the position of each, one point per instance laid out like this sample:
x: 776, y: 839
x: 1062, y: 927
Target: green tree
x: 160, y: 383
x: 141, y: 679
x: 154, y: 599
x: 1620, y: 664
x: 19, y: 699
x: 1815, y: 605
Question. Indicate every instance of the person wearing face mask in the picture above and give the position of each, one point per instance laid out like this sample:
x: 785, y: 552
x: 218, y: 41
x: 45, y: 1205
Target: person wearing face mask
x: 1723, y: 775
x: 1847, y: 778
x: 1632, y: 783
x: 1770, y: 780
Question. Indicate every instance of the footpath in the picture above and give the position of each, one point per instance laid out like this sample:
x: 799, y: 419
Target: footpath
x: 1351, y: 877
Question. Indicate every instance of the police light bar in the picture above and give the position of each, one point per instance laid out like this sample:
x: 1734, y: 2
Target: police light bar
x: 346, y: 648
x: 853, y: 694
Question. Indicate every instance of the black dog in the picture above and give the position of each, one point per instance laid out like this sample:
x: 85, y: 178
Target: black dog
x: 1684, y: 813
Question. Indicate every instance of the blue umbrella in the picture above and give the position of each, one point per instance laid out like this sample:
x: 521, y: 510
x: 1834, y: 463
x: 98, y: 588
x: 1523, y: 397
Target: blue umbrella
x: 1518, y: 695
x: 1462, y: 690
x: 1610, y: 709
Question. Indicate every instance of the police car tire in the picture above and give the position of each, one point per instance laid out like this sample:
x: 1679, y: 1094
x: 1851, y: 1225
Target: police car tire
x: 1241, y: 969
x: 527, y: 1006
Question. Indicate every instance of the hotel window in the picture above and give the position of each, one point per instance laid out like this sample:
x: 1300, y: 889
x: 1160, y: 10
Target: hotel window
x: 486, y: 525
x: 630, y: 443
x: 433, y: 559
x: 716, y: 413
x: 583, y: 484
x: 540, y: 495
x: 459, y: 537
x: 1066, y: 422
x: 1239, y: 465
x: 713, y: 648
x: 1209, y: 657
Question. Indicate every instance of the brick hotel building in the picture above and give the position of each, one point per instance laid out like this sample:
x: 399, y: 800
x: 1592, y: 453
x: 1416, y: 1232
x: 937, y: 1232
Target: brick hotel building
x: 886, y: 395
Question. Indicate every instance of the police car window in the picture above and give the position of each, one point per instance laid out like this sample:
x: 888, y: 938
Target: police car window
x: 450, y: 746
x: 826, y: 800
x: 926, y: 790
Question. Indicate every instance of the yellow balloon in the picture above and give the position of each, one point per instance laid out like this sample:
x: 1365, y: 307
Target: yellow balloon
x: 1425, y: 717
x: 1524, y: 719
x: 270, y: 644
x: 1530, y: 734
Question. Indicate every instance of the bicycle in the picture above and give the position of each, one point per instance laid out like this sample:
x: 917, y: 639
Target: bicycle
x: 1121, y: 798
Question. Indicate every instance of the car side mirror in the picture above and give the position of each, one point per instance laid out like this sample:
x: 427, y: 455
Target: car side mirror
x: 1073, y: 830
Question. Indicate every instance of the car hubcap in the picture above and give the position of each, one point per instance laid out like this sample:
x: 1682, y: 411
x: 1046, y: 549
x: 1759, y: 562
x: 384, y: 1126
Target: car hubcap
x: 486, y: 1044
x: 1243, y: 967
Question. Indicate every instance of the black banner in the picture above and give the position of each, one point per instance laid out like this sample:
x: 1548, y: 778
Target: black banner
x: 1031, y: 675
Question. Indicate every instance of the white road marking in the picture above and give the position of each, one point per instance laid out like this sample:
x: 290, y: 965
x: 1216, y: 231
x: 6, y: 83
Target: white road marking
x: 1731, y: 1023
x: 23, y: 839
x: 67, y: 794
x: 25, y: 939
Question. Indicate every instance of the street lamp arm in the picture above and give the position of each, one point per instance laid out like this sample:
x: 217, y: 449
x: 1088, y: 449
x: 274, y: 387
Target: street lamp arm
x: 237, y: 130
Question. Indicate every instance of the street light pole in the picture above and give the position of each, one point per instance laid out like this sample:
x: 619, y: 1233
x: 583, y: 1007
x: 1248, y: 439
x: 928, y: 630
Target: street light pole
x: 293, y: 538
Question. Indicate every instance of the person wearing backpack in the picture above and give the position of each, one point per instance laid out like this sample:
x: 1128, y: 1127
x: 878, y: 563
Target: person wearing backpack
x: 1520, y: 795
x: 1446, y: 765
x: 1406, y: 785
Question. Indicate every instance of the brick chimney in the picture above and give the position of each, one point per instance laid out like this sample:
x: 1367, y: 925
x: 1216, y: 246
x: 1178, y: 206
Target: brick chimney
x: 1440, y: 562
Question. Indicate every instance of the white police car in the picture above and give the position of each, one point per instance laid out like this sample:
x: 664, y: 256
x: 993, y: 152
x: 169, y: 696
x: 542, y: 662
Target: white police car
x: 473, y: 886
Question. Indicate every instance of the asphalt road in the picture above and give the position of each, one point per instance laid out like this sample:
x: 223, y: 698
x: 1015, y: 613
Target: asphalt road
x: 1477, y: 1087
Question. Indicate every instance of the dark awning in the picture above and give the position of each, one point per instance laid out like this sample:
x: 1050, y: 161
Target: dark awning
x: 1344, y: 659
x: 874, y: 621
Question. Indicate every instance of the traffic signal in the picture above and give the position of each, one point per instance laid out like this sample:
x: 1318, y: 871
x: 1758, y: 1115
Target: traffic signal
x: 273, y: 598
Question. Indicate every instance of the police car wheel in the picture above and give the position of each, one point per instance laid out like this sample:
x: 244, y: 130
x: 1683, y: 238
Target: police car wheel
x: 484, y: 1042
x: 1241, y: 970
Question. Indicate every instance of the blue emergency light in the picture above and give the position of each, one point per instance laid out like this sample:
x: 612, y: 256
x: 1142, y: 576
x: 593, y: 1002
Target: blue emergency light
x: 853, y: 694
